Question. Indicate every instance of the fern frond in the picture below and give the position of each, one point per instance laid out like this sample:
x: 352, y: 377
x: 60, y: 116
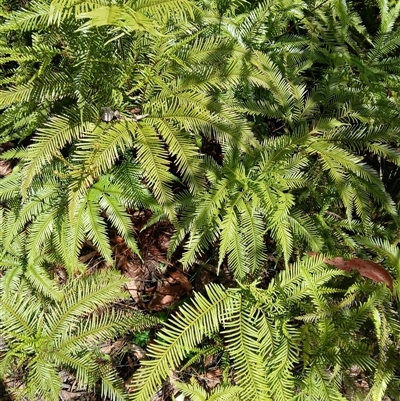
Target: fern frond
x: 184, y: 332
x: 48, y: 335
x: 242, y: 344
x: 56, y: 134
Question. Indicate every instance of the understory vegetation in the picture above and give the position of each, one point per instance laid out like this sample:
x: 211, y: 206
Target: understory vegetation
x: 199, y: 200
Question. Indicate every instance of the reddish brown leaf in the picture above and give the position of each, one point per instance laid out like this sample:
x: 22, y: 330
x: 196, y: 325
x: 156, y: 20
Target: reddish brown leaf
x: 366, y: 268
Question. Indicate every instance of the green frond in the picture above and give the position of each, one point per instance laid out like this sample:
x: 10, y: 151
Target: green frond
x: 186, y: 154
x: 73, y: 229
x: 39, y: 278
x: 85, y: 294
x: 26, y: 20
x: 231, y: 241
x: 280, y: 376
x: 253, y: 230
x: 111, y: 385
x: 303, y: 227
x: 242, y: 344
x: 258, y: 130
x: 197, y: 393
x: 318, y: 386
x: 120, y: 219
x: 56, y: 134
x: 55, y: 334
x: 180, y: 335
x: 44, y: 380
x: 115, y: 15
x: 11, y: 277
x: 101, y: 147
x: 37, y: 203
x: 193, y: 390
x: 40, y: 232
x: 165, y: 8
x: 153, y: 159
x: 48, y: 88
x: 17, y: 315
x: 95, y: 227
x: 279, y: 226
x: 10, y: 186
x: 136, y: 195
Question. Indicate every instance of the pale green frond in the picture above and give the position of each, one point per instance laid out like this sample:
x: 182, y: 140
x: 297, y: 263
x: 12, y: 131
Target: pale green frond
x: 279, y: 224
x: 26, y: 20
x: 74, y: 230
x: 11, y: 277
x: 44, y: 89
x: 198, y: 242
x: 40, y: 231
x: 86, y: 293
x: 36, y: 204
x: 120, y: 219
x: 134, y: 194
x: 66, y: 246
x: 57, y: 133
x: 94, y: 329
x: 383, y: 248
x: 115, y: 15
x: 180, y: 335
x: 318, y: 387
x: 196, y: 393
x: 43, y: 380
x: 230, y: 241
x: 38, y: 276
x: 242, y: 344
x: 10, y: 186
x: 304, y: 227
x: 186, y: 154
x: 280, y: 377
x: 153, y: 159
x: 192, y: 390
x: 102, y: 146
x: 225, y: 393
x: 165, y: 8
x: 95, y: 226
x: 80, y: 364
x: 112, y: 385
x: 253, y: 230
x: 18, y: 314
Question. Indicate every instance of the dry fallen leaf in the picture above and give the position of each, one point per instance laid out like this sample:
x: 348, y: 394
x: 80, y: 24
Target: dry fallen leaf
x: 181, y: 279
x: 366, y: 268
x: 135, y: 287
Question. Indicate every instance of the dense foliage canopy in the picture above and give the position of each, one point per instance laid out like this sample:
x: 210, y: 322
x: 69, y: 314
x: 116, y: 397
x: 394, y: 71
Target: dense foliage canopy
x: 264, y: 134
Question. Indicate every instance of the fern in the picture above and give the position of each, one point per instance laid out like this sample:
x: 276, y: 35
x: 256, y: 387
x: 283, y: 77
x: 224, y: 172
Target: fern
x: 67, y: 226
x: 299, y: 320
x: 300, y: 100
x: 43, y: 336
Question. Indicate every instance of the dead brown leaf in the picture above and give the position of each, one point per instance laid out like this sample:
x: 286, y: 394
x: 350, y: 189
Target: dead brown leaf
x: 181, y: 279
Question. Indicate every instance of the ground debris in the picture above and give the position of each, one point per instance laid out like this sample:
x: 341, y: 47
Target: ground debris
x: 155, y: 282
